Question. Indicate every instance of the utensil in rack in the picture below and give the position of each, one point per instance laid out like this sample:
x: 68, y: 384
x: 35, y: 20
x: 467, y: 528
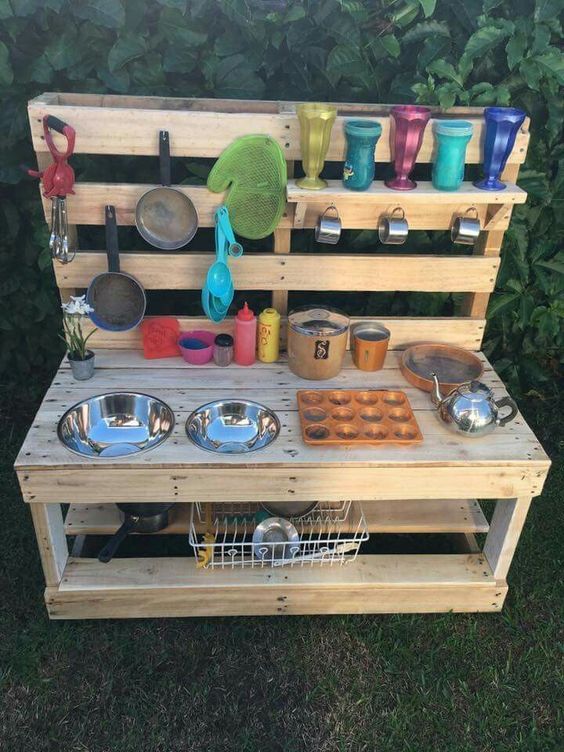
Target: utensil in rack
x: 205, y: 556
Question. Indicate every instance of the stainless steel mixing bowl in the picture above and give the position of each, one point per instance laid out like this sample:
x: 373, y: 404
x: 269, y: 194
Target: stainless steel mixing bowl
x: 115, y: 425
x: 232, y: 426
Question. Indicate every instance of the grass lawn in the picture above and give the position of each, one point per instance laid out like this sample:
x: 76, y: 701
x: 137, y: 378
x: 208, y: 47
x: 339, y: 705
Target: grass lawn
x: 453, y: 683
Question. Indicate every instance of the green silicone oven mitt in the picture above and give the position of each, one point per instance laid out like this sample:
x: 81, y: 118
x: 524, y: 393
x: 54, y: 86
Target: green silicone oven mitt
x: 254, y: 170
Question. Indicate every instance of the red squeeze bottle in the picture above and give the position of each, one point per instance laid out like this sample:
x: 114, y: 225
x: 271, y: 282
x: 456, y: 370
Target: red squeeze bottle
x: 245, y: 337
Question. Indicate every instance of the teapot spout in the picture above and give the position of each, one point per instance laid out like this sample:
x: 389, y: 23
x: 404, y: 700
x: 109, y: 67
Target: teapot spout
x: 436, y: 396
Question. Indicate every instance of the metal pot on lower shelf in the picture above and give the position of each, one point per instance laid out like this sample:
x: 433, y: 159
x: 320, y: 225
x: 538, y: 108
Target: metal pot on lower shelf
x: 144, y: 517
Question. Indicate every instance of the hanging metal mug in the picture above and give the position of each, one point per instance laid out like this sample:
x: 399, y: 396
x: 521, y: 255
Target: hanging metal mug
x: 465, y: 228
x: 328, y: 229
x: 393, y: 228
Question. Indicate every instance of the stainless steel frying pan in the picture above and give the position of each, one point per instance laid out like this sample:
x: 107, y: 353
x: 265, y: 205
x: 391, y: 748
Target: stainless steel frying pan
x: 165, y: 217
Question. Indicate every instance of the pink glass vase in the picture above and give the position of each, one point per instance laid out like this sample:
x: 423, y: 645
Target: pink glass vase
x: 406, y: 139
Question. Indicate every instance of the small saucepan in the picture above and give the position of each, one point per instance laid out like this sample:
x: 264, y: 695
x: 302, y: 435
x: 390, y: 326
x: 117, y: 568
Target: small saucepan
x: 117, y: 298
x: 165, y: 217
x: 145, y: 517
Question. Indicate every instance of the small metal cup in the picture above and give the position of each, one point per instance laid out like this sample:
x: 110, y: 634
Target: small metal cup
x: 393, y: 228
x: 328, y: 228
x: 466, y: 228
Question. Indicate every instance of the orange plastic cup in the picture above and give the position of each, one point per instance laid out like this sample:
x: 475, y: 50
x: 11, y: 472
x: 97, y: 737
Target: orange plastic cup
x: 369, y: 343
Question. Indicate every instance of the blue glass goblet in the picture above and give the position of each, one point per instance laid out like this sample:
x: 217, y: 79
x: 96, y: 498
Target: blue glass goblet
x: 502, y: 126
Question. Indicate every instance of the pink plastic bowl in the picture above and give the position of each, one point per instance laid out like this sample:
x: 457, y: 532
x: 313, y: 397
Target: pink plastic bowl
x: 197, y: 355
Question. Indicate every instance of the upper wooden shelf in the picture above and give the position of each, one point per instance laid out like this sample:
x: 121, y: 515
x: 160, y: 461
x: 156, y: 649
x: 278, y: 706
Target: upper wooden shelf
x: 379, y: 194
x: 115, y: 124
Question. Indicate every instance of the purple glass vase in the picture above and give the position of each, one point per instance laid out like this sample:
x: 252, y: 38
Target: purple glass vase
x: 406, y: 139
x: 502, y: 126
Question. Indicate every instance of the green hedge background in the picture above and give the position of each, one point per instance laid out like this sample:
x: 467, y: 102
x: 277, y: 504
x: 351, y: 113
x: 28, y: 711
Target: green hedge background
x: 467, y: 52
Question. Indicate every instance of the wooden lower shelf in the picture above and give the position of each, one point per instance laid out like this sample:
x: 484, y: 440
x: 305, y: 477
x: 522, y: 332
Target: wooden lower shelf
x: 413, y: 516
x: 371, y: 584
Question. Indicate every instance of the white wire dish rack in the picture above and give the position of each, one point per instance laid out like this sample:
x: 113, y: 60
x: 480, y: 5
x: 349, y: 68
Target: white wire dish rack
x: 222, y: 536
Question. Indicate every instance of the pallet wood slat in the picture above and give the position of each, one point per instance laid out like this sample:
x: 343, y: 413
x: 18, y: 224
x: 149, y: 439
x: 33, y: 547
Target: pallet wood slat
x: 462, y: 332
x: 86, y: 205
x: 362, y: 599
x: 303, y: 483
x: 187, y: 271
x: 413, y: 516
x: 205, y: 130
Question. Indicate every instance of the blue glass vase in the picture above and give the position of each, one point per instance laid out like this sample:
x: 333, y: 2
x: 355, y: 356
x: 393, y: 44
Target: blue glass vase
x: 358, y: 171
x: 448, y: 168
x: 502, y: 126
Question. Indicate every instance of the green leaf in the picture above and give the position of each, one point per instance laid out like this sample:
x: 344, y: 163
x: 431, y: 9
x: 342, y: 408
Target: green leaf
x: 445, y: 70
x: 127, y: 48
x: 5, y: 10
x: 295, y: 13
x: 554, y: 266
x: 541, y: 38
x: 229, y: 43
x: 178, y: 4
x: 236, y: 78
x: 428, y: 7
x: 531, y: 73
x: 499, y: 302
x: 179, y: 59
x: 552, y: 63
x: 545, y: 10
x: 62, y: 52
x: 434, y: 47
x: 345, y: 61
x: 535, y: 183
x: 447, y: 94
x: 485, y: 39
x: 425, y: 30
x: 390, y: 44
x: 6, y: 72
x: 515, y: 49
x: 109, y: 13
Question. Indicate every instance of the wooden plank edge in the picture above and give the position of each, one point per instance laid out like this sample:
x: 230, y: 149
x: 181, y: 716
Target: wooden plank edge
x: 465, y: 516
x: 274, y: 601
x: 405, y: 331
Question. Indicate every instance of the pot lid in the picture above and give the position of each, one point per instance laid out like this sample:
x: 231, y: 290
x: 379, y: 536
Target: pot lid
x: 318, y: 322
x: 475, y: 389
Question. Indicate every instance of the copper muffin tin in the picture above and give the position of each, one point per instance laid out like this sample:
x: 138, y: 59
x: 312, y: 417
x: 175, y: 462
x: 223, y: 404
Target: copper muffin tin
x: 342, y: 416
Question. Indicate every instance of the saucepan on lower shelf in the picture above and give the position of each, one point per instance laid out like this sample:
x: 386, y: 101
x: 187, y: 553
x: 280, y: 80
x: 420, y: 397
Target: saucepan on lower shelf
x: 143, y: 517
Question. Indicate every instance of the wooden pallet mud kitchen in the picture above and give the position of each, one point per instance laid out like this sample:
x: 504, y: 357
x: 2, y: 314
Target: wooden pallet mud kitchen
x: 293, y: 527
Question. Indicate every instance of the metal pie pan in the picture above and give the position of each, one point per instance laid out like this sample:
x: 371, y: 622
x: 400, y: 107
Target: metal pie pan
x: 275, y: 538
x: 232, y: 427
x: 115, y: 425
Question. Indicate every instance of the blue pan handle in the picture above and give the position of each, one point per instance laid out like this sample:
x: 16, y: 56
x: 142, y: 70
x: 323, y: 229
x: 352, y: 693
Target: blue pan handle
x: 112, y: 250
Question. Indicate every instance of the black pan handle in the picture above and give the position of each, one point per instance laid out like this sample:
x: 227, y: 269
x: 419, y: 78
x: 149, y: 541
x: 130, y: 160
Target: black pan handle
x: 164, y: 157
x: 507, y: 402
x: 107, y: 553
x: 112, y: 249
x: 55, y: 124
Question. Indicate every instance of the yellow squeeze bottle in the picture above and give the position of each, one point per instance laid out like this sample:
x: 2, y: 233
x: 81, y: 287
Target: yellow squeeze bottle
x: 268, y: 335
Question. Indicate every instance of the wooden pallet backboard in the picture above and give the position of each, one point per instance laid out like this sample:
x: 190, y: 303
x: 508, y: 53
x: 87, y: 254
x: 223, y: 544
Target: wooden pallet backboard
x: 125, y: 125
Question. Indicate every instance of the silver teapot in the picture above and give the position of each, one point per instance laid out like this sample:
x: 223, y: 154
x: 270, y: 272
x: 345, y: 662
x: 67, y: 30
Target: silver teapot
x: 470, y: 409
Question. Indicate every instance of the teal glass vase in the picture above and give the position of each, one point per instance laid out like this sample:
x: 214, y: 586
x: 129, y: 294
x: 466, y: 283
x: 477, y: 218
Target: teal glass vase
x: 358, y: 171
x: 452, y: 139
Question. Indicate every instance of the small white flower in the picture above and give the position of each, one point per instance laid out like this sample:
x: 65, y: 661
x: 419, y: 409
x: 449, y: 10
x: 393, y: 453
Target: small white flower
x: 77, y: 306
